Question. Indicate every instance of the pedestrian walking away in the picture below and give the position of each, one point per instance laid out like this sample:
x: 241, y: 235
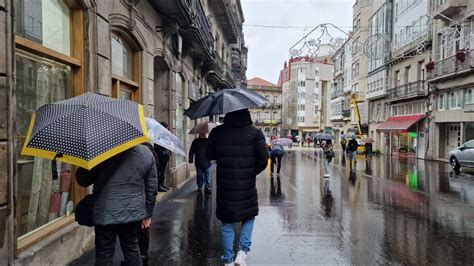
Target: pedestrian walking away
x: 328, y: 154
x: 276, y: 154
x: 241, y: 154
x: 368, y: 151
x: 197, y: 154
x: 343, y: 145
x: 125, y: 188
x: 164, y: 155
x: 352, y: 148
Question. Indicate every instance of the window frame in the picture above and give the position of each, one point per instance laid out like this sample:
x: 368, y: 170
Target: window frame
x: 75, y: 61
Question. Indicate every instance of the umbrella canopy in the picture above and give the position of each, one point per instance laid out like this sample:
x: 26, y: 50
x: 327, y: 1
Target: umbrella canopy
x: 325, y: 136
x: 163, y: 137
x: 204, y: 127
x: 225, y: 101
x: 368, y: 140
x: 85, y: 130
x: 282, y: 142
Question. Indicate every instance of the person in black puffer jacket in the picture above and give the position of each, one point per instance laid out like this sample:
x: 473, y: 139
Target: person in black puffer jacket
x: 241, y: 154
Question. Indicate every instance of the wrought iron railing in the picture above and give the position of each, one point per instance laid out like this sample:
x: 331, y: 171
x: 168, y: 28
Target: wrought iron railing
x: 452, y: 64
x: 413, y: 89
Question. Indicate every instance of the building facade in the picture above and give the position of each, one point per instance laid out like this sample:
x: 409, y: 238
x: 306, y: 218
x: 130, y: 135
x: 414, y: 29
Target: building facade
x: 162, y: 54
x: 267, y: 117
x: 407, y: 90
x: 450, y: 77
x: 305, y: 83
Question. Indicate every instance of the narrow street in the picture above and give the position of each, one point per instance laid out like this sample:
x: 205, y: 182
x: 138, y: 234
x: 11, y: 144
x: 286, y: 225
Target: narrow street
x: 400, y: 211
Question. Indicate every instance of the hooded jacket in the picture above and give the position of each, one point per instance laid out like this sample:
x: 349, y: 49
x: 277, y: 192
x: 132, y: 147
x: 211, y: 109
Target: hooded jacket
x: 241, y: 154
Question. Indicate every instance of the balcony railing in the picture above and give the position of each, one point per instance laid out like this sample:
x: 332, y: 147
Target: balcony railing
x: 227, y: 15
x: 337, y: 93
x: 452, y: 66
x: 410, y: 90
x: 263, y: 122
x: 469, y: 107
x: 271, y: 105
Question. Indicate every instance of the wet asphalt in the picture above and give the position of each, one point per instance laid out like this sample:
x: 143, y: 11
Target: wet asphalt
x: 389, y: 211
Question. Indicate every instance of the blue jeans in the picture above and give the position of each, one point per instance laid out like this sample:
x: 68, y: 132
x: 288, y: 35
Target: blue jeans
x: 203, y: 176
x: 228, y: 232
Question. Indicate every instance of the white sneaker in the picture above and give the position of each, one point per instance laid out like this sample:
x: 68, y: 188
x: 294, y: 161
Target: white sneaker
x: 229, y: 264
x: 240, y: 259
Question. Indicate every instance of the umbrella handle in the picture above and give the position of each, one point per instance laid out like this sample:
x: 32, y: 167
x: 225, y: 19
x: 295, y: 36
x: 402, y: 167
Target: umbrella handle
x: 54, y: 166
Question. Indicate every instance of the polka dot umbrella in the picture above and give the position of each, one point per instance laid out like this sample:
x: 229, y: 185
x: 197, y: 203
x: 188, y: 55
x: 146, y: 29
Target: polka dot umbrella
x: 85, y: 130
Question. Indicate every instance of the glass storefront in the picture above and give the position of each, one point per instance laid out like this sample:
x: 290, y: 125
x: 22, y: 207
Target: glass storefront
x: 43, y: 192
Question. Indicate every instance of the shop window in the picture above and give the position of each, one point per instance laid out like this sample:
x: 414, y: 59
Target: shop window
x: 180, y: 122
x: 125, y: 70
x: 48, y: 69
x: 44, y: 22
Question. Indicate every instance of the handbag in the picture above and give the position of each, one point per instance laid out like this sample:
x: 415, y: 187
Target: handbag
x: 84, y: 211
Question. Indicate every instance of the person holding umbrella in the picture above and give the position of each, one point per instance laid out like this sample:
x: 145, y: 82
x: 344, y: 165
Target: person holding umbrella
x: 202, y: 164
x: 241, y: 154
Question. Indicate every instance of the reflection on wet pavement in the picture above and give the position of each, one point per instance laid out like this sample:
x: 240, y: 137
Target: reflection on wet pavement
x: 390, y: 211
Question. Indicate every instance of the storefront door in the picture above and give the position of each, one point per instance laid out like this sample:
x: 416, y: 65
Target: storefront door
x: 453, y: 138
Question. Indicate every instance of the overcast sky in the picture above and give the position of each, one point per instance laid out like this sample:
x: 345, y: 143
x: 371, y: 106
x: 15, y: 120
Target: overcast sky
x: 268, y: 47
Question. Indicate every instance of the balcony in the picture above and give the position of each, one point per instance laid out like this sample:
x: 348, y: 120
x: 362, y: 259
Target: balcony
x: 449, y: 8
x: 268, y: 122
x: 451, y: 66
x: 192, y: 22
x: 346, y: 114
x: 407, y: 91
x: 271, y: 105
x: 338, y: 92
x: 220, y: 73
x: 226, y: 17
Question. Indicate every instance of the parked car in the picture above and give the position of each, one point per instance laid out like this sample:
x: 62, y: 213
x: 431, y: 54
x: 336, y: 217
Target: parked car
x: 463, y: 156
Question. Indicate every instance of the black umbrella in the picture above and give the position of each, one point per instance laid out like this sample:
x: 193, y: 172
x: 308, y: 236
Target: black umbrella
x: 225, y: 101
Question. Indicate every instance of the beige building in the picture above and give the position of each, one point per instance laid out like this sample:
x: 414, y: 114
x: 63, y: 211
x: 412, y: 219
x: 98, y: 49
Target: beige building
x: 267, y: 117
x: 450, y: 77
x: 305, y: 83
x: 54, y: 50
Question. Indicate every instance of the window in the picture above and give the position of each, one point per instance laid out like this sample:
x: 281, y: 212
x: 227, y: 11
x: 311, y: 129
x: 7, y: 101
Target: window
x: 301, y: 107
x: 302, y: 83
x: 316, y: 109
x: 44, y: 22
x: 302, y: 95
x: 48, y: 69
x: 301, y: 119
x: 469, y: 144
x: 125, y: 72
x: 468, y: 96
x: 441, y: 102
x: 454, y: 100
x: 179, y: 118
x: 316, y: 72
x: 316, y: 84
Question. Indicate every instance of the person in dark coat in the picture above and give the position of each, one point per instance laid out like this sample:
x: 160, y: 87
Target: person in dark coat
x: 352, y: 148
x: 276, y: 154
x: 241, y: 153
x: 125, y: 189
x: 202, y: 164
x: 164, y: 155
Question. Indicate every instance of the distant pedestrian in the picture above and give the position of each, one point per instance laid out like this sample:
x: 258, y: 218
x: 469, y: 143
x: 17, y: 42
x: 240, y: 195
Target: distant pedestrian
x: 352, y: 148
x: 368, y: 151
x: 343, y: 145
x: 124, y: 194
x: 202, y: 164
x: 241, y: 154
x: 328, y: 154
x: 164, y: 155
x: 276, y: 154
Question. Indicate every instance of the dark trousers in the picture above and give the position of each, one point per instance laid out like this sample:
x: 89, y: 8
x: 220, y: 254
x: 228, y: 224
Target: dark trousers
x: 162, y: 169
x: 144, y: 242
x: 105, y: 236
x: 276, y: 158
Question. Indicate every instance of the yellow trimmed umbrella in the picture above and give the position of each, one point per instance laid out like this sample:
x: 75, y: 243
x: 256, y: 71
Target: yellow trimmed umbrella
x: 85, y: 130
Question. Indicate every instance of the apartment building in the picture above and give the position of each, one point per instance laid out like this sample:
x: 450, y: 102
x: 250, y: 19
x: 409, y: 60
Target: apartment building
x: 305, y: 83
x: 450, y: 75
x: 341, y: 91
x: 405, y: 97
x: 362, y: 11
x: 267, y: 117
x: 53, y: 50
